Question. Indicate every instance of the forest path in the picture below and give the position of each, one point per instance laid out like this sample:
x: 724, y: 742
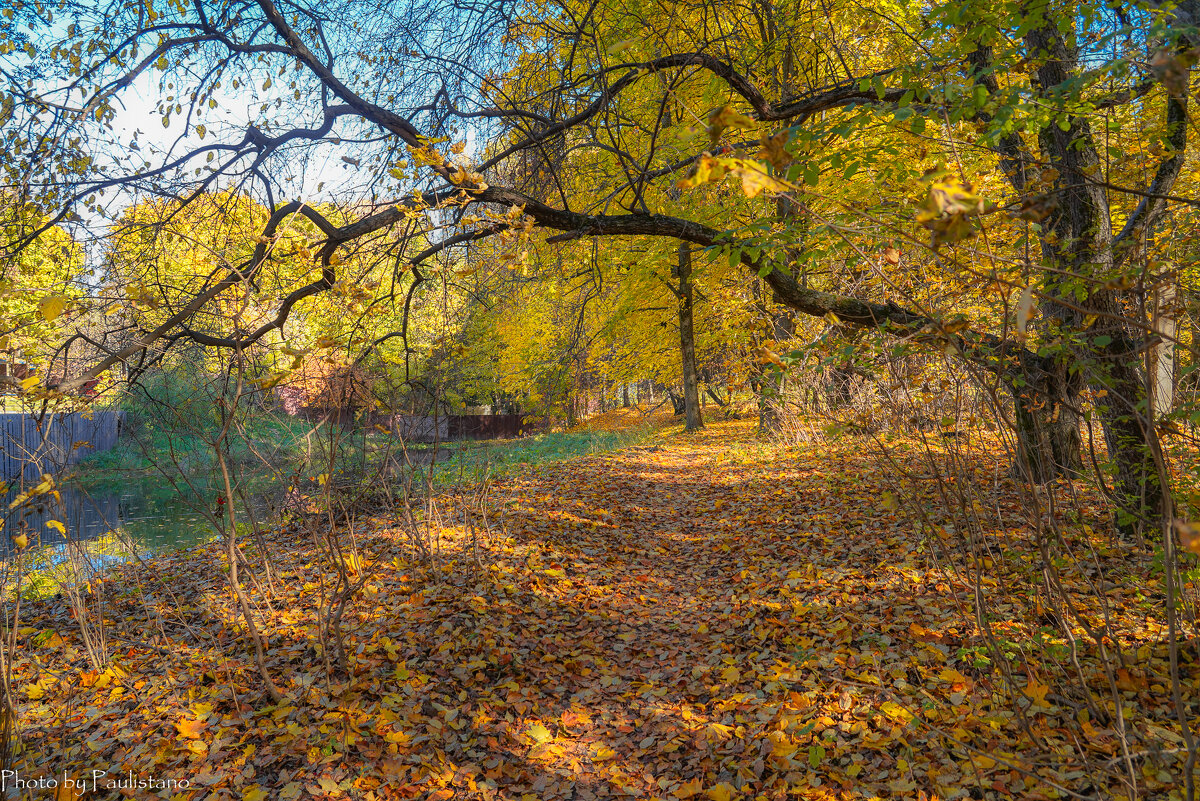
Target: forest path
x: 706, y: 616
x: 714, y: 615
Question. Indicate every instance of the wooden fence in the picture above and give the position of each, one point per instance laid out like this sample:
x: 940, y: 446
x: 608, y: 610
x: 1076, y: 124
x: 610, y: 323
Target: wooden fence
x: 47, y: 444
x: 454, y: 427
x: 486, y: 426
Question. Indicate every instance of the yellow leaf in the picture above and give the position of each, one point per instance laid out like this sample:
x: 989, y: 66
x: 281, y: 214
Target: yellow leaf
x: 52, y: 306
x: 254, y: 793
x: 21, y: 541
x: 756, y: 181
x: 688, y: 790
x: 708, y: 169
x: 602, y: 753
x: 726, y: 117
x: 539, y: 733
x: 722, y: 792
x: 952, y: 676
x: 719, y: 732
x: 57, y: 526
x: 781, y: 745
x: 270, y: 381
x: 896, y: 712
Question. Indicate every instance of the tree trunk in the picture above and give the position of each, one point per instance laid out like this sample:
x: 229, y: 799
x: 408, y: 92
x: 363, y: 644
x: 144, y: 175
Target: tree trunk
x: 687, y: 341
x: 677, y: 404
x: 1082, y: 245
x: 1133, y: 444
x: 1049, y: 444
x: 839, y: 387
x: 712, y: 393
x: 625, y: 395
x: 1192, y: 352
x: 1162, y: 355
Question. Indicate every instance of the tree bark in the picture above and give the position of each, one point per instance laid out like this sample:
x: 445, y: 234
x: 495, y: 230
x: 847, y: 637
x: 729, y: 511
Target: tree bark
x: 1162, y: 355
x: 687, y: 341
x: 1049, y: 444
x: 712, y: 393
x: 1095, y: 344
x: 1133, y: 445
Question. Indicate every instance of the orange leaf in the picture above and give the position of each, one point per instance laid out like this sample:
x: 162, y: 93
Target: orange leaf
x: 190, y: 728
x: 1037, y: 692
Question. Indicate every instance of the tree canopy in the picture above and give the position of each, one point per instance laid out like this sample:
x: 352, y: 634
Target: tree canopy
x: 554, y: 207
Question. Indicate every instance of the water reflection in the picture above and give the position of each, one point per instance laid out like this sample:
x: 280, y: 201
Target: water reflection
x: 110, y: 525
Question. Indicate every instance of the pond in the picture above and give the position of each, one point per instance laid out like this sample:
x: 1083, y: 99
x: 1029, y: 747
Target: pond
x: 111, y: 524
x: 131, y: 514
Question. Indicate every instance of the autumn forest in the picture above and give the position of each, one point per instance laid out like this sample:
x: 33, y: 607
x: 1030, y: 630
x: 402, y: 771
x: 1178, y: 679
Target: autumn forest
x: 573, y: 399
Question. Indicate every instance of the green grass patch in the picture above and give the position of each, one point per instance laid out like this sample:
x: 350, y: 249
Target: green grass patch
x: 497, y: 458
x: 269, y: 448
x: 151, y: 448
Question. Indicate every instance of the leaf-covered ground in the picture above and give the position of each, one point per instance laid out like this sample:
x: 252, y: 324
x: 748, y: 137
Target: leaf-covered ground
x: 702, y: 617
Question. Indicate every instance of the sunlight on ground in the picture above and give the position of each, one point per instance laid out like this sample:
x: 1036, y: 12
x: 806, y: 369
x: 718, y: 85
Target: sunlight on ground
x: 707, y: 616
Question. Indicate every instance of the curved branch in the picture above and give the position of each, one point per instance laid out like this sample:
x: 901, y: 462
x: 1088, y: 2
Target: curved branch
x: 1153, y: 202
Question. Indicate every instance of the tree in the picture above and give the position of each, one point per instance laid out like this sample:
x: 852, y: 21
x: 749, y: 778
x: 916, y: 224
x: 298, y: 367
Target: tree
x: 39, y: 290
x: 1025, y: 91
